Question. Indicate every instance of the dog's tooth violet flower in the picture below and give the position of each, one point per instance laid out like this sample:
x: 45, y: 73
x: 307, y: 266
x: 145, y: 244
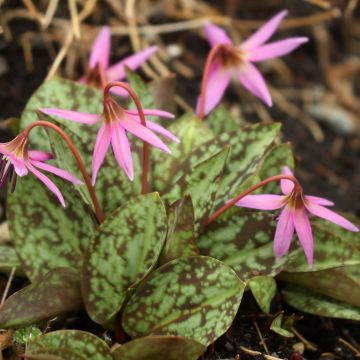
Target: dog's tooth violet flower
x: 18, y: 160
x: 294, y: 216
x: 116, y: 123
x: 100, y: 56
x: 226, y: 60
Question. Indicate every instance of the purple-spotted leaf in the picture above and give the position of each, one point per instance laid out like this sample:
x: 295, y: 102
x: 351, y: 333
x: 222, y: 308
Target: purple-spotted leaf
x: 264, y: 289
x: 339, y: 283
x: 196, y: 297
x: 310, y: 302
x: 244, y: 240
x: 52, y: 294
x: 281, y: 327
x: 55, y: 354
x: 155, y: 348
x: 45, y: 234
x: 221, y: 121
x: 123, y: 250
x: 180, y: 239
x: 202, y: 184
x: 75, y: 344
x: 8, y: 258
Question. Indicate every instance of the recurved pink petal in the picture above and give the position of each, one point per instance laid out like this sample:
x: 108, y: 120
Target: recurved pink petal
x: 102, y: 144
x: 264, y: 32
x: 287, y: 186
x: 58, y: 172
x: 319, y: 200
x: 77, y: 116
x: 117, y: 71
x: 100, y: 52
x: 251, y: 78
x: 116, y: 90
x: 304, y: 232
x: 262, y: 202
x: 153, y: 112
x: 40, y: 155
x: 48, y: 183
x: 275, y: 49
x: 143, y: 133
x: 284, y: 232
x: 218, y: 81
x: 122, y: 151
x: 216, y: 35
x: 331, y: 216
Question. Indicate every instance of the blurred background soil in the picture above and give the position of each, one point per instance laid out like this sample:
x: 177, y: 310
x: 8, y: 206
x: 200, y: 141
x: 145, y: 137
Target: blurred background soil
x: 315, y: 91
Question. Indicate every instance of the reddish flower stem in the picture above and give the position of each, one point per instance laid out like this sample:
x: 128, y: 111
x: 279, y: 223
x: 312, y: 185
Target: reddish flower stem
x: 98, y: 212
x: 232, y: 202
x: 209, y: 61
x: 145, y: 167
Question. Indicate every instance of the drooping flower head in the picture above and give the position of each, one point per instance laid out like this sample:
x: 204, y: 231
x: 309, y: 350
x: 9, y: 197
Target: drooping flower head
x: 116, y: 122
x: 99, y: 61
x: 18, y: 160
x: 228, y: 60
x: 294, y: 216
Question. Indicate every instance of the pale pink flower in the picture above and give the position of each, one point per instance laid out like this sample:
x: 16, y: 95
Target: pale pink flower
x: 294, y: 216
x: 17, y: 160
x: 100, y: 56
x: 116, y: 123
x: 238, y: 60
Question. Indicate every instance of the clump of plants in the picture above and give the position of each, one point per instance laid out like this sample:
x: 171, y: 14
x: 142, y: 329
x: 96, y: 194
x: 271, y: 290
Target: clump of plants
x: 179, y: 217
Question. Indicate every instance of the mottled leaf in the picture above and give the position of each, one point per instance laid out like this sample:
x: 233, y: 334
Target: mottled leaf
x: 123, y: 250
x: 23, y: 335
x: 312, y: 303
x: 278, y: 326
x: 8, y: 258
x: 155, y: 348
x: 202, y: 184
x: 52, y: 294
x: 264, y: 289
x: 244, y: 241
x: 221, y: 121
x: 56, y: 354
x: 77, y: 344
x: 180, y: 239
x: 197, y: 297
x: 45, y: 234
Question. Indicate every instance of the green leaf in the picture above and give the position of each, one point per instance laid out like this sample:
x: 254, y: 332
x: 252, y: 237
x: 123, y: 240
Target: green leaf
x: 180, y: 239
x: 45, y: 234
x: 23, y: 335
x: 312, y: 303
x: 264, y: 289
x: 55, y: 293
x: 279, y: 326
x: 141, y: 89
x: 196, y: 297
x: 244, y: 241
x: 73, y: 343
x: 221, y: 121
x: 202, y: 184
x: 341, y: 283
x: 123, y: 250
x: 155, y: 348
x: 8, y: 258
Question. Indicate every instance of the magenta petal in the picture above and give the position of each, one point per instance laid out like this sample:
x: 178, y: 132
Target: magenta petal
x: 48, y: 183
x: 116, y: 90
x: 143, y: 133
x: 304, y: 232
x: 153, y: 112
x: 251, y: 78
x: 331, y: 216
x: 102, y: 144
x: 122, y: 151
x: 287, y: 186
x: 218, y: 80
x: 100, y: 51
x: 264, y: 32
x: 262, y: 202
x: 40, y: 155
x: 117, y: 71
x: 319, y: 200
x: 77, y: 116
x: 284, y: 232
x: 58, y: 172
x: 275, y: 49
x: 216, y: 35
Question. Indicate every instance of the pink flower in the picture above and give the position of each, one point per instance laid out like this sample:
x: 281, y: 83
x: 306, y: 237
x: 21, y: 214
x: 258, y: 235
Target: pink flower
x: 294, y: 216
x: 117, y: 122
x: 100, y: 55
x: 238, y: 60
x: 18, y: 160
